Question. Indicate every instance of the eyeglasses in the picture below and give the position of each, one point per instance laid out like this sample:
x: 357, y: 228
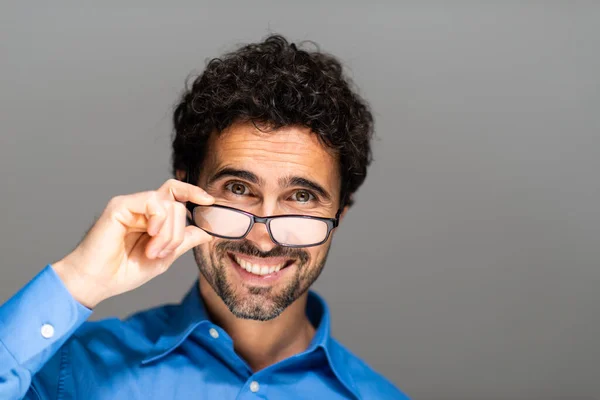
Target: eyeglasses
x: 285, y: 230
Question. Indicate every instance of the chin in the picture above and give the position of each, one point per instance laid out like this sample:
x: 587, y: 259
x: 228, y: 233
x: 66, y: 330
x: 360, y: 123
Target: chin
x: 255, y: 307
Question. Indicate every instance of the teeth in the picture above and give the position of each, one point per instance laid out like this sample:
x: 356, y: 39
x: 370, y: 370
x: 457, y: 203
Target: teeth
x: 258, y: 269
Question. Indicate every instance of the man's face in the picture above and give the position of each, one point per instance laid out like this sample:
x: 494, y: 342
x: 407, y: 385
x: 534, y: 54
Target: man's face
x: 287, y: 171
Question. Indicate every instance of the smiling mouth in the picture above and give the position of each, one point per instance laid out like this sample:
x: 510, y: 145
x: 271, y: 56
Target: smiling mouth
x: 260, y: 269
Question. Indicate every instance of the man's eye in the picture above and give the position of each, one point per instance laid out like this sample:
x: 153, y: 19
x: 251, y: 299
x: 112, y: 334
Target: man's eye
x: 237, y: 188
x: 302, y: 196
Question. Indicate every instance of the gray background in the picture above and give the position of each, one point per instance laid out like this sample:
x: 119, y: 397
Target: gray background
x: 468, y: 268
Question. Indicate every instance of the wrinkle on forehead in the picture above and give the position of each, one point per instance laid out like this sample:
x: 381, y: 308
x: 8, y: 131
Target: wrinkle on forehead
x: 286, y: 140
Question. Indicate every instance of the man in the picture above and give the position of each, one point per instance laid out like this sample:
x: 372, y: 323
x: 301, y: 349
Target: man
x: 270, y: 144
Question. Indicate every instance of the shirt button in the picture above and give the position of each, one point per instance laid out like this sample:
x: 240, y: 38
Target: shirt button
x: 47, y: 331
x: 213, y: 332
x: 254, y: 386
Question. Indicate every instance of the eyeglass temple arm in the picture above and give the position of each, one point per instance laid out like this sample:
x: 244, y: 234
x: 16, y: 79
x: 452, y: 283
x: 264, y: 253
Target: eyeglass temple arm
x: 337, y: 218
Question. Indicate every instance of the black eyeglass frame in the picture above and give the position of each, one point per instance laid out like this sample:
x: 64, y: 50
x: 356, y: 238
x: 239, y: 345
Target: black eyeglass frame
x: 332, y: 223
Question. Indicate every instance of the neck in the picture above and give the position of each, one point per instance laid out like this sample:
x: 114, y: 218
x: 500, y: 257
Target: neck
x: 262, y: 343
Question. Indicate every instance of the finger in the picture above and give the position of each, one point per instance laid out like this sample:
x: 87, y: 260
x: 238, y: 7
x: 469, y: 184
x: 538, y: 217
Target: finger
x: 179, y: 220
x: 184, y: 192
x: 193, y: 237
x: 156, y: 214
x: 164, y: 236
x: 138, y: 212
x: 133, y: 222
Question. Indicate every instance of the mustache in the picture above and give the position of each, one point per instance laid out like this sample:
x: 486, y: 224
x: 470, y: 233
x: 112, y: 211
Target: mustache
x: 248, y: 248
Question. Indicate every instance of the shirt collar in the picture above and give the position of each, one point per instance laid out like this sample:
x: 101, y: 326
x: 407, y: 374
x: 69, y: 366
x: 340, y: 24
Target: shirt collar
x: 181, y: 321
x: 318, y: 314
x: 184, y: 318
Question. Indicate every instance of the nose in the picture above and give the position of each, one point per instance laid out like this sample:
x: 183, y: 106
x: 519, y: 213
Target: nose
x: 260, y: 237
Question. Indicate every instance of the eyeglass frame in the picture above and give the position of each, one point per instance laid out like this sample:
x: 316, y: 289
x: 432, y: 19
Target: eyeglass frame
x: 332, y: 223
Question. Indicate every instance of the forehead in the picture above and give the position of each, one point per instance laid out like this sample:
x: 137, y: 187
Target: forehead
x: 272, y: 154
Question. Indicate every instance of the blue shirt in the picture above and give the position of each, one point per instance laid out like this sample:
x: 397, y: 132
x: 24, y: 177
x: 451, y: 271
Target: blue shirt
x: 49, y: 351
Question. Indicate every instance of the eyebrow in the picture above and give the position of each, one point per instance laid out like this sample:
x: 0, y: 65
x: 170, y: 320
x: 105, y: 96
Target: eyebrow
x: 237, y: 173
x: 307, y: 184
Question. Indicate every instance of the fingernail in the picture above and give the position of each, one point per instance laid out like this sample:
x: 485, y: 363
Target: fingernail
x: 206, y: 195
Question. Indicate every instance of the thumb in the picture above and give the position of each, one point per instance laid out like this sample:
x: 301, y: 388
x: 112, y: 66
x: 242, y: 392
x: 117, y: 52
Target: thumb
x: 193, y: 237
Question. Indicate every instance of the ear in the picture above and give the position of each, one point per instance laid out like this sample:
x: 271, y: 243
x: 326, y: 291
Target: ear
x: 344, y: 211
x: 180, y: 175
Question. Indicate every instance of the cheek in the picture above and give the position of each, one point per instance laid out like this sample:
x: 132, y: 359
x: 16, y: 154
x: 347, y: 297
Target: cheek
x: 212, y: 253
x: 317, y: 254
x: 207, y: 250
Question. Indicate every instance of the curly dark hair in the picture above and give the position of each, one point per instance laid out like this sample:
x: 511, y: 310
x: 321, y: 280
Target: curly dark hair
x: 275, y: 83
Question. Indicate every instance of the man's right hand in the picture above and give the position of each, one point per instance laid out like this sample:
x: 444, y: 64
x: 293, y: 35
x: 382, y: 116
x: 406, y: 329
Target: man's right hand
x: 136, y: 238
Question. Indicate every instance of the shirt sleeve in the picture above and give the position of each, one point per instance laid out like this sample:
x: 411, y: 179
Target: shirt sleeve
x: 34, y: 324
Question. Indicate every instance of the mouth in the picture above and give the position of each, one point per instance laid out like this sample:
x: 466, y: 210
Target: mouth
x: 260, y: 267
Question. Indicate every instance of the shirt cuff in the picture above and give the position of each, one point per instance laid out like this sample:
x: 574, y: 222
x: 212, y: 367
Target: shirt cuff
x: 39, y: 318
